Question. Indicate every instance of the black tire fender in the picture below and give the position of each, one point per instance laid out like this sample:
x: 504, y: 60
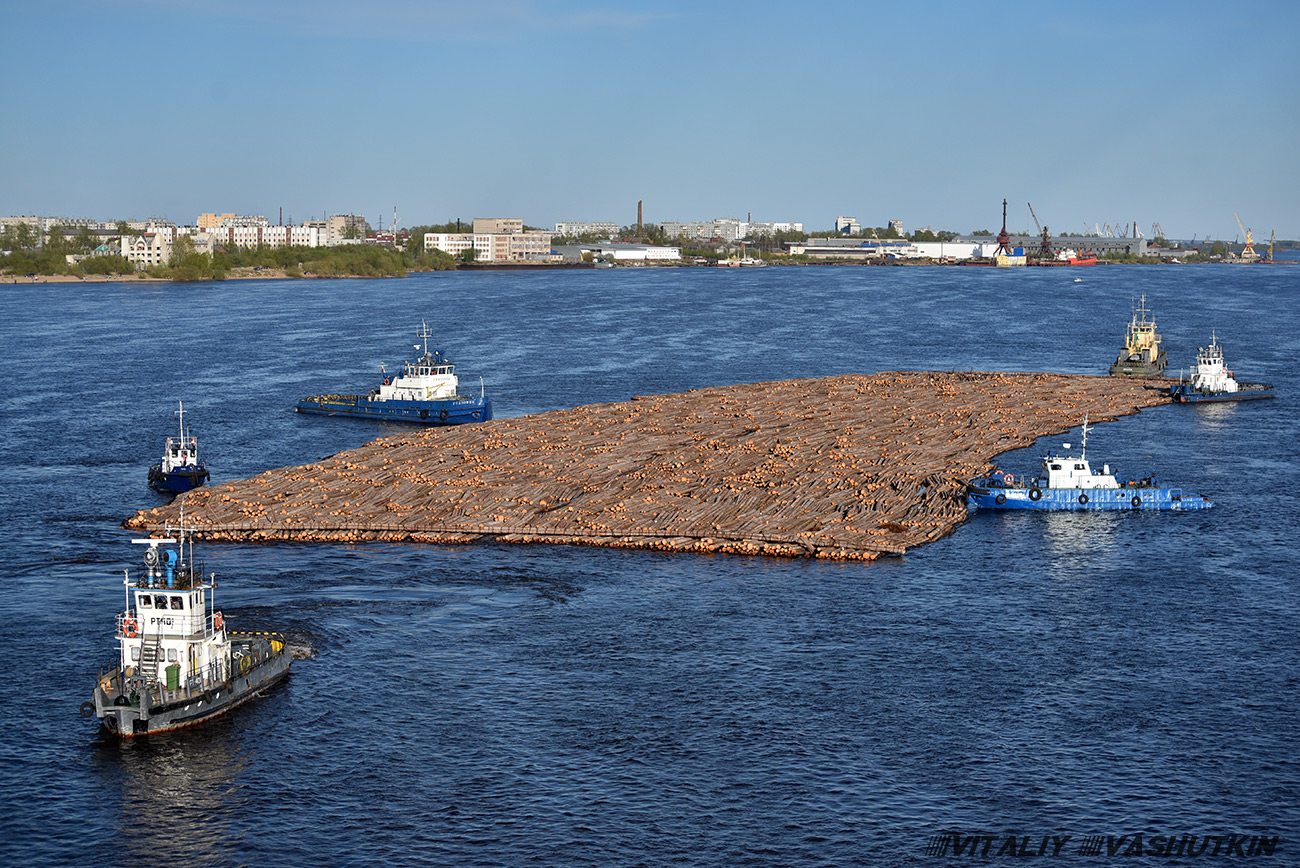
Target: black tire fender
x: 1035, y: 494
x: 1083, y: 500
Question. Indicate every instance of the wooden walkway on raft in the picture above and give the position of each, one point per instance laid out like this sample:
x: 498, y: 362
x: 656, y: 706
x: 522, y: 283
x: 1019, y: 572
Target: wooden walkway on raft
x: 843, y: 467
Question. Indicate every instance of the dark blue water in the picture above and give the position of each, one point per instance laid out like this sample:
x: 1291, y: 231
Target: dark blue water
x: 1099, y: 674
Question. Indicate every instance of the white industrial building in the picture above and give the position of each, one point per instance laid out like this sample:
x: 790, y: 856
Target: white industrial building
x: 511, y: 245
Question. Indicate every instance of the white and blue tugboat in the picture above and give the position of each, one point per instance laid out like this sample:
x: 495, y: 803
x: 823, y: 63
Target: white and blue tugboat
x: 426, y: 393
x: 1071, y: 483
x: 1212, y: 381
x: 180, y: 468
x: 178, y: 664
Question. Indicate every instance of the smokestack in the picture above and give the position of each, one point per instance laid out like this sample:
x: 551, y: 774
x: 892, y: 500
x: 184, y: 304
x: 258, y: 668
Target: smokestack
x: 638, y: 218
x: 281, y: 215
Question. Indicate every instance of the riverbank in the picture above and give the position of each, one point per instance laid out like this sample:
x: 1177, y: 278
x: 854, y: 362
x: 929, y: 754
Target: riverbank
x: 849, y: 467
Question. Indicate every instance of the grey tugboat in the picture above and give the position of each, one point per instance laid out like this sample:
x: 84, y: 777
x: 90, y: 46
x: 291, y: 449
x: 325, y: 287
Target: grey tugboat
x: 178, y: 664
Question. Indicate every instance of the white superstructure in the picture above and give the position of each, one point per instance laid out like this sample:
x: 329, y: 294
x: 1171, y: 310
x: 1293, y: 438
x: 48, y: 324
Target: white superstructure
x: 1210, y: 371
x: 169, y: 634
x: 1065, y: 471
x: 430, y: 376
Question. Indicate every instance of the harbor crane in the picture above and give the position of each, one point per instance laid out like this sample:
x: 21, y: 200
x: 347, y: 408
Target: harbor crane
x: 1045, y: 248
x: 1247, y: 252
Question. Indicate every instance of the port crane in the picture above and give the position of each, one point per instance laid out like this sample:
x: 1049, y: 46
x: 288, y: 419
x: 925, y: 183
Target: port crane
x: 1044, y: 249
x: 1247, y: 252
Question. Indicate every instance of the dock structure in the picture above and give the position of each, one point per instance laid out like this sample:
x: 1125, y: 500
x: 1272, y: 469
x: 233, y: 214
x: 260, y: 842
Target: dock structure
x: 845, y: 467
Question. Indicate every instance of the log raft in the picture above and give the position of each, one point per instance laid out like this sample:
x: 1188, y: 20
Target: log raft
x: 848, y: 467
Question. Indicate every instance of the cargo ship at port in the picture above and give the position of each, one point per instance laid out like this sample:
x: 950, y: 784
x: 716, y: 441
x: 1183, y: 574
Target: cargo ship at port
x: 425, y: 393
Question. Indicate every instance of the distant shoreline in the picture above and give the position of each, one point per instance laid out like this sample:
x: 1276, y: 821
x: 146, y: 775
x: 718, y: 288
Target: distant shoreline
x: 279, y: 274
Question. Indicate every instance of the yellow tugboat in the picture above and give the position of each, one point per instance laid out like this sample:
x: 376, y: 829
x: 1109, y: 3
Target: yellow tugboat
x: 1142, y: 355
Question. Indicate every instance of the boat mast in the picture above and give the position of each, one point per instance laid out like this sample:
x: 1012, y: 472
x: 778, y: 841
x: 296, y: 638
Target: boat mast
x: 1084, y: 434
x: 424, y: 334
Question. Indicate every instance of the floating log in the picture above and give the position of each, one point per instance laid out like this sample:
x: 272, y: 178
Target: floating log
x: 847, y: 467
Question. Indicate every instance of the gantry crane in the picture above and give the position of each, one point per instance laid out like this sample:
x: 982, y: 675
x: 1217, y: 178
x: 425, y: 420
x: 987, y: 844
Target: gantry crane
x: 1247, y: 252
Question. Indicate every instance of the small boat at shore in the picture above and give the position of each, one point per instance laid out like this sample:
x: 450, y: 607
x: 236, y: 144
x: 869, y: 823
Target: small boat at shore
x: 1069, y: 256
x: 180, y: 468
x: 425, y: 393
x: 178, y: 664
x: 1212, y: 381
x: 1070, y: 483
x: 1142, y: 355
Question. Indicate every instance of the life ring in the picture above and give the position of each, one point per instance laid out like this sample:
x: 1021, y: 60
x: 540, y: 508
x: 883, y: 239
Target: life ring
x: 387, y: 381
x: 1035, y: 494
x: 1000, y: 499
x: 443, y: 415
x: 130, y: 629
x: 87, y: 709
x: 1137, y: 501
x: 1083, y: 500
x: 218, y: 622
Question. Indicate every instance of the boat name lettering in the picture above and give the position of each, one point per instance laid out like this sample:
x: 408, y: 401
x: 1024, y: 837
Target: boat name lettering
x: 166, y: 622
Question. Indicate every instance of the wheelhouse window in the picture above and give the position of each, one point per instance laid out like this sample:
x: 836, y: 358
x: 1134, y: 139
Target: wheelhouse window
x: 146, y: 601
x: 178, y: 602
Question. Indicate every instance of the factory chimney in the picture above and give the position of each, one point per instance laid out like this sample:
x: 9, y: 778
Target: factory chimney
x: 638, y: 218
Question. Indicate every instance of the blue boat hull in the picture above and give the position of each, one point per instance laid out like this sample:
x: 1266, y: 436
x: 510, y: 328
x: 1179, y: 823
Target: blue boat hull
x: 184, y: 478
x: 1185, y: 394
x: 450, y: 411
x: 1090, y: 500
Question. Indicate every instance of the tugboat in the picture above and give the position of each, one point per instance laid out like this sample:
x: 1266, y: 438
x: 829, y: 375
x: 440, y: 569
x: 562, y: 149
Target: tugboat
x: 1212, y: 381
x: 180, y: 468
x: 179, y: 664
x: 425, y: 393
x: 1142, y: 355
x: 1070, y: 483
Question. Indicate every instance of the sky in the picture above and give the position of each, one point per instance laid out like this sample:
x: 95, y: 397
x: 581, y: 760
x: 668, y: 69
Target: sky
x: 1178, y: 114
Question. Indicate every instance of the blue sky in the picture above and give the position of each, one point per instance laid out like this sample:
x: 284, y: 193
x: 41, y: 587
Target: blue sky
x: 1176, y: 113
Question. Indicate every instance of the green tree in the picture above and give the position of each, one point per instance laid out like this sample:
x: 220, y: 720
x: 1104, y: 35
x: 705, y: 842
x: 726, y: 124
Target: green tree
x: 468, y: 255
x: 55, y: 241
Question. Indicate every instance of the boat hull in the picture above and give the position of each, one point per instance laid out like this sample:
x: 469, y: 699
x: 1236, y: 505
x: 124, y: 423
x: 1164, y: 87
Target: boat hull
x: 449, y: 411
x: 181, y: 479
x: 1126, y: 498
x: 126, y: 719
x: 1126, y: 368
x: 1183, y: 393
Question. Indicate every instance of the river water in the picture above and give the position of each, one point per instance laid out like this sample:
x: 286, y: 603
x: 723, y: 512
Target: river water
x: 1086, y: 675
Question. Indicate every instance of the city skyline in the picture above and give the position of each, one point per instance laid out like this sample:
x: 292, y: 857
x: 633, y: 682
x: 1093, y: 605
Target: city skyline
x: 568, y: 111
